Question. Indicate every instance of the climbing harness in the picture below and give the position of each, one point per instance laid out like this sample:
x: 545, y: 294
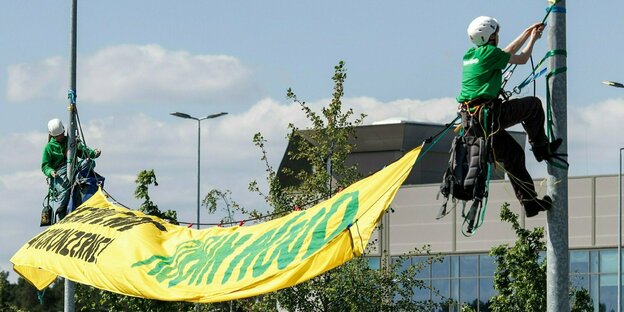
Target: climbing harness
x: 467, y: 177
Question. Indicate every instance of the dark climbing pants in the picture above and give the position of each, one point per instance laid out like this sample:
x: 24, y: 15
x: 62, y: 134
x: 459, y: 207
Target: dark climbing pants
x: 529, y: 112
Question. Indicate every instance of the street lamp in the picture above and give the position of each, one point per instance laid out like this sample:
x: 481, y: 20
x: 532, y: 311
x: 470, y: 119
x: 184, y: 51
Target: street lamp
x: 187, y: 116
x: 619, y: 247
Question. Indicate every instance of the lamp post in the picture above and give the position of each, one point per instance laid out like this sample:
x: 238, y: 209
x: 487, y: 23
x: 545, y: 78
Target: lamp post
x: 187, y: 116
x: 619, y: 247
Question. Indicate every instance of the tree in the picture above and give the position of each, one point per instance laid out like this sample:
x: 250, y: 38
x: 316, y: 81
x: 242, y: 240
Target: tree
x: 520, y: 277
x: 6, y: 293
x: 353, y: 286
x: 144, y: 179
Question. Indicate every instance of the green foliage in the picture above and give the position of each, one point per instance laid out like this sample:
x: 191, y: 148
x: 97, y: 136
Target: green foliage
x: 25, y: 297
x: 144, y: 179
x: 324, y: 147
x: 581, y: 301
x: 520, y: 277
x: 228, y: 205
x: 354, y: 286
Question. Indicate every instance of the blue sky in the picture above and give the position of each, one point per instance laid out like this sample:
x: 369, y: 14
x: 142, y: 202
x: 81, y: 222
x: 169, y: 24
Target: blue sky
x: 140, y: 60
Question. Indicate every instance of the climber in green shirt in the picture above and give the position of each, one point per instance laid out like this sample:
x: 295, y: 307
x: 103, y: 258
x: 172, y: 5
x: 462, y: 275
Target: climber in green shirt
x: 54, y: 160
x: 483, y: 66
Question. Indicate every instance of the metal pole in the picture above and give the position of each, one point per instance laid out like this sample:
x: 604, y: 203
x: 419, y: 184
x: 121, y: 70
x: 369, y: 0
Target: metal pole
x: 71, y: 144
x: 619, y: 247
x: 557, y: 254
x: 198, y: 165
x: 199, y: 120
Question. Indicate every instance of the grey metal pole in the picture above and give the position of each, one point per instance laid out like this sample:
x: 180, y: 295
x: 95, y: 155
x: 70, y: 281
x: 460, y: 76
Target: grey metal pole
x: 199, y: 120
x: 619, y: 247
x: 198, y: 165
x: 557, y: 254
x: 71, y: 144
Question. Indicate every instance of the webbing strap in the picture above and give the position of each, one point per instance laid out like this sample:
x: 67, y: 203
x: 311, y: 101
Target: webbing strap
x: 553, y: 8
x: 533, y: 75
x: 71, y: 95
x: 549, y: 122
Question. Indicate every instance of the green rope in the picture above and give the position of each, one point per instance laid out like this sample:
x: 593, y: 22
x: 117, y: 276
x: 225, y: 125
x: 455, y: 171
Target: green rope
x: 437, y: 139
x: 40, y: 295
x: 549, y: 119
x: 533, y: 75
x: 481, y: 219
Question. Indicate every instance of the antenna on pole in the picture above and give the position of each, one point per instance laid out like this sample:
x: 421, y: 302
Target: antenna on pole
x: 557, y: 253
x: 72, y: 134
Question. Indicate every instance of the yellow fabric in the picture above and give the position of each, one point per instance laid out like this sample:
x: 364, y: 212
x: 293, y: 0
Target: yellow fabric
x: 125, y: 251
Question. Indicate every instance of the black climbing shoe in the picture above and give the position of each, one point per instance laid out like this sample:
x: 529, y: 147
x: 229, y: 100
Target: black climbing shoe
x: 547, y: 150
x: 533, y: 207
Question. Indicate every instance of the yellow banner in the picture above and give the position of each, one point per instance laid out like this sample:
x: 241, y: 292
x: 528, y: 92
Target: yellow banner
x: 127, y: 252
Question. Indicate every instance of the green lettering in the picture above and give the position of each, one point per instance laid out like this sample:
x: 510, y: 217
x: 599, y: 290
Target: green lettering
x: 319, y: 238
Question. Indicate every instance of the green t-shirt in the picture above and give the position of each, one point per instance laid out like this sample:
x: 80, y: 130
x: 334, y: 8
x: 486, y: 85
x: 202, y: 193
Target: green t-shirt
x: 483, y: 73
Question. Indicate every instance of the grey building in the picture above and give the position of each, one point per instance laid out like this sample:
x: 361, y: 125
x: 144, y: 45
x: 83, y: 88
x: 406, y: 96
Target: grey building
x: 466, y: 272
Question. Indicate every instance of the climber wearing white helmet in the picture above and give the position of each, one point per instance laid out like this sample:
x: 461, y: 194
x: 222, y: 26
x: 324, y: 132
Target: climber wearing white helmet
x: 483, y: 66
x: 54, y: 160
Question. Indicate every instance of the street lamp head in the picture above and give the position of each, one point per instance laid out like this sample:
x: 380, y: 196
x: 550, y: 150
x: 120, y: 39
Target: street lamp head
x: 613, y: 84
x: 215, y: 115
x: 182, y: 115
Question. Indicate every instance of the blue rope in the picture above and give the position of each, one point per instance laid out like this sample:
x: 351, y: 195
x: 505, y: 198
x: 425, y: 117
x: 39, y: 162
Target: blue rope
x: 71, y: 95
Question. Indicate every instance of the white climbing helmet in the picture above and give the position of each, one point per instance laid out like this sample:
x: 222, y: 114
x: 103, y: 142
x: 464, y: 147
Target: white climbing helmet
x: 481, y: 28
x: 55, y: 127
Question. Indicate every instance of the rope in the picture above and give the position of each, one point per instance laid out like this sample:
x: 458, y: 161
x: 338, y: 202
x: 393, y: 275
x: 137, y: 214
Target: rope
x: 40, y: 295
x: 534, y: 75
x: 437, y: 137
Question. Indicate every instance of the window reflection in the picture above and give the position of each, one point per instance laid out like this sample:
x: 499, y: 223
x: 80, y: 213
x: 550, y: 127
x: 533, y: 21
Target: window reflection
x: 441, y: 269
x: 608, y: 293
x: 578, y: 281
x: 374, y: 263
x: 442, y: 290
x: 608, y: 261
x: 579, y: 261
x: 422, y: 294
x: 486, y: 291
x: 593, y: 267
x: 468, y: 288
x: 469, y: 279
x: 468, y: 266
x: 421, y: 263
x: 487, y: 265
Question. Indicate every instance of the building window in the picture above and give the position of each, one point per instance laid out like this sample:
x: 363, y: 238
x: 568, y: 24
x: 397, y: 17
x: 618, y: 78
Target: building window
x: 469, y: 279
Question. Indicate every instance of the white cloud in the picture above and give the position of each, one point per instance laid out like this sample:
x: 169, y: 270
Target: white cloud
x: 594, y: 137
x: 31, y: 81
x: 136, y: 73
